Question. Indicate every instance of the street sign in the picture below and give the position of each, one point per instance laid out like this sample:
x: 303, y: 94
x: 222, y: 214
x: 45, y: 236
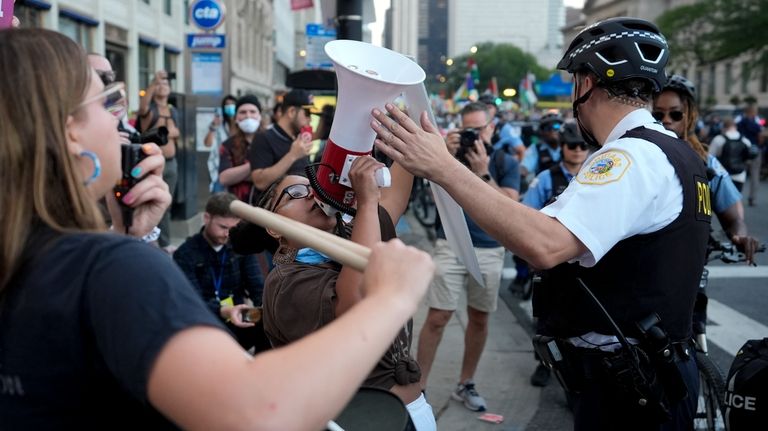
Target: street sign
x: 207, y: 14
x: 215, y: 41
x: 207, y: 77
x: 317, y: 37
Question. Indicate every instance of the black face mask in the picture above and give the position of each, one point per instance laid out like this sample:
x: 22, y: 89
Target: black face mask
x: 589, y: 138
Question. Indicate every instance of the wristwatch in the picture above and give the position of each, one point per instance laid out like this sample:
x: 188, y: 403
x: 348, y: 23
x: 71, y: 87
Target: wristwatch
x: 486, y: 177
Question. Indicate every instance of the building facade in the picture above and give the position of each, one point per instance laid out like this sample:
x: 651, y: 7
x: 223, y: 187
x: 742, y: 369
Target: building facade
x: 139, y: 37
x: 533, y: 26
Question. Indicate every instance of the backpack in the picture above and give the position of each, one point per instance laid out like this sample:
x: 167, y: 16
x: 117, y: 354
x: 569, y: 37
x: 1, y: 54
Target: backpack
x: 734, y: 155
x: 746, y: 390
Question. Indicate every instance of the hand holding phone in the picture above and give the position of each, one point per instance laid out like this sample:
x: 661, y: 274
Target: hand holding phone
x: 251, y: 315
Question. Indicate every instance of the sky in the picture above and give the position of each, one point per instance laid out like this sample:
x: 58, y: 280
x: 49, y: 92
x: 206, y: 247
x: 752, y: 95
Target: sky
x: 381, y: 7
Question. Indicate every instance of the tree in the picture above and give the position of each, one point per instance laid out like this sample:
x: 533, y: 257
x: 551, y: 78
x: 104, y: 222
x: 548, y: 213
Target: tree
x: 505, y: 61
x: 709, y: 31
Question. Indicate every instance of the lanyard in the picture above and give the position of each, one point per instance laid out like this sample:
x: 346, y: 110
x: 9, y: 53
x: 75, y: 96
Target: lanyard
x: 217, y: 280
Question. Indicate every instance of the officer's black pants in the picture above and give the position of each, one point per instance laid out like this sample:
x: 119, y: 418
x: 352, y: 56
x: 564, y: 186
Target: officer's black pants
x: 599, y: 407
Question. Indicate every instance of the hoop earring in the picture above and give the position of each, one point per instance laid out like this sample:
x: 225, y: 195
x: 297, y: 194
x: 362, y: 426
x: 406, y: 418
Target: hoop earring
x: 96, y: 166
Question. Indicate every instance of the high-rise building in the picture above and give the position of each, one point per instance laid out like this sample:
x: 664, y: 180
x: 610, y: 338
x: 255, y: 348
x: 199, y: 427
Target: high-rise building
x: 534, y: 26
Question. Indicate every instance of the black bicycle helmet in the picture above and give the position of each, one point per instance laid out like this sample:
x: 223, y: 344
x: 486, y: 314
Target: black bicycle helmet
x: 617, y: 49
x: 681, y: 85
x: 549, y: 120
x: 570, y: 134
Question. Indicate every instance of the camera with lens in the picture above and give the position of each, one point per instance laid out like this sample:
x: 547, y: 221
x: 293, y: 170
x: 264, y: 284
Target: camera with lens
x: 157, y: 135
x: 467, y: 138
x: 131, y: 155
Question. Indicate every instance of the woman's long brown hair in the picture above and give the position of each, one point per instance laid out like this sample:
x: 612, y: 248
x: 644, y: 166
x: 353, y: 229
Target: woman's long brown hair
x: 45, y: 76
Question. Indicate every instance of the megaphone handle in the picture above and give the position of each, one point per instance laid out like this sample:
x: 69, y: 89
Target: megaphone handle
x: 383, y: 177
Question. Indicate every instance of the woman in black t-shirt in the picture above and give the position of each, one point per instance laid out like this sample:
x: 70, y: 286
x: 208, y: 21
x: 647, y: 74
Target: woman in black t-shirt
x: 100, y: 330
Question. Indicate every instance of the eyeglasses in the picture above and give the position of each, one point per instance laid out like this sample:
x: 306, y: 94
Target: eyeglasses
x: 294, y: 191
x: 114, y: 99
x: 673, y: 115
x: 573, y: 145
x: 106, y: 76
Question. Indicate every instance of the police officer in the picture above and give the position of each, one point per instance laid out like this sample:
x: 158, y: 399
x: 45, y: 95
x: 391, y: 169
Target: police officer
x: 545, y: 153
x: 634, y: 221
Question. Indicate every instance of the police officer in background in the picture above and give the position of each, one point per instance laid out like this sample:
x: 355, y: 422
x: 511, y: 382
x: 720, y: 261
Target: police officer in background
x: 634, y: 222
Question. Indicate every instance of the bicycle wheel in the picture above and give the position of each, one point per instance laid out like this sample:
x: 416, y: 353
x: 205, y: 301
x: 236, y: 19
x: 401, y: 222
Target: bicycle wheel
x: 424, y: 205
x: 710, y: 408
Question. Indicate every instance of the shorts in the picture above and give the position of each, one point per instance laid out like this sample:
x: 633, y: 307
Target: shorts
x: 421, y: 414
x: 452, y: 279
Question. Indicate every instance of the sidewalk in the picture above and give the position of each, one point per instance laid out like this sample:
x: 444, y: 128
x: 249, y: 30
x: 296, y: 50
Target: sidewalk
x: 503, y: 375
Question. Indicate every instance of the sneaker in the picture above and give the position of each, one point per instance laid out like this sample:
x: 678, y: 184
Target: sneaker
x: 541, y: 376
x: 472, y: 400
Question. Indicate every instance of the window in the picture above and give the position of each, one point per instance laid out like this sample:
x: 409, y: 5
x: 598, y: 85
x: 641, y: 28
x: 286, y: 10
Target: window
x: 146, y: 64
x: 712, y: 81
x: 76, y: 31
x: 145, y: 1
x: 745, y: 72
x: 186, y: 12
x: 728, y: 78
x: 170, y: 60
x: 29, y: 17
x: 764, y: 79
x: 167, y: 8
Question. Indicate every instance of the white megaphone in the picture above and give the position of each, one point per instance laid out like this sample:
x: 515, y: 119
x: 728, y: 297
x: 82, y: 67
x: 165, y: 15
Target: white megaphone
x: 368, y: 76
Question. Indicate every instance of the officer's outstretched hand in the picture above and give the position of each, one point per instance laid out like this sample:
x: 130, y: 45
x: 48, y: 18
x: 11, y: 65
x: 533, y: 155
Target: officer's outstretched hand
x: 419, y: 149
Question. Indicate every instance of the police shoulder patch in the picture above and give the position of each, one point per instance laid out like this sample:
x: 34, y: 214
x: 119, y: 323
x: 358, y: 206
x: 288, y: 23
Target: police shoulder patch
x: 605, y: 168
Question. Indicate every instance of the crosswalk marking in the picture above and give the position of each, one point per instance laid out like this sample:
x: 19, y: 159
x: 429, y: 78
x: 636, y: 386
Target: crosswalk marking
x: 738, y: 271
x: 733, y: 329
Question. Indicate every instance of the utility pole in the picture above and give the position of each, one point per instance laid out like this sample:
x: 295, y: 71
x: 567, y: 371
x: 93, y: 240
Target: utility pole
x: 349, y: 18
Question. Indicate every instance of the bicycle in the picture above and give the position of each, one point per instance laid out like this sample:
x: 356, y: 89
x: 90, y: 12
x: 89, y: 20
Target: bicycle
x: 710, y: 407
x: 422, y: 203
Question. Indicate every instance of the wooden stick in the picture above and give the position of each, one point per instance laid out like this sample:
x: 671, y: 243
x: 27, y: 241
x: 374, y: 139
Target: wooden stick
x: 346, y: 252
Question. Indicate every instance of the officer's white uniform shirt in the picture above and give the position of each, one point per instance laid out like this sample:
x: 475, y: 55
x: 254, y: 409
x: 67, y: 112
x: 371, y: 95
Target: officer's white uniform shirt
x: 626, y: 188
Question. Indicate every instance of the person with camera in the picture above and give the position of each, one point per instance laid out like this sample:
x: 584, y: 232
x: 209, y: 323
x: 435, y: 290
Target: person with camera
x: 283, y: 149
x: 234, y: 168
x: 470, y: 146
x: 223, y: 278
x: 221, y: 127
x: 634, y: 222
x: 98, y: 328
x: 156, y: 112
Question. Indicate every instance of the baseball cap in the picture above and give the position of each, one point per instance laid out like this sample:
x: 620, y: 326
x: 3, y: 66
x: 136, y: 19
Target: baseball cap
x: 298, y: 97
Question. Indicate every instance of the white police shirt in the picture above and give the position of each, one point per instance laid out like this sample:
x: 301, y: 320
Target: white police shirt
x: 626, y: 188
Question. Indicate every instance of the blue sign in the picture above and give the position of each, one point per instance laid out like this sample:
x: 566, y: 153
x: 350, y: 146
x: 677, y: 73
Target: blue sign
x: 320, y: 30
x: 215, y: 41
x: 207, y: 14
x: 554, y: 86
x: 317, y: 37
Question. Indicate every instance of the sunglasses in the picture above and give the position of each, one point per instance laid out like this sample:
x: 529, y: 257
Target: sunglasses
x: 294, y: 191
x: 574, y: 145
x: 555, y: 127
x: 113, y: 98
x: 673, y: 115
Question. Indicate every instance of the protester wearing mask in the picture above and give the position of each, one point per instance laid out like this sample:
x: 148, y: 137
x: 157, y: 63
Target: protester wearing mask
x: 219, y: 130
x: 234, y: 168
x: 283, y: 149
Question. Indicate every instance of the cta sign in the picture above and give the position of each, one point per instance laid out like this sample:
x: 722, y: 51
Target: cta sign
x: 216, y: 41
x: 207, y: 14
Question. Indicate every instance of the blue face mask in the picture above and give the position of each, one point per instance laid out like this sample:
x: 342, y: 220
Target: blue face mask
x: 311, y: 257
x: 229, y: 110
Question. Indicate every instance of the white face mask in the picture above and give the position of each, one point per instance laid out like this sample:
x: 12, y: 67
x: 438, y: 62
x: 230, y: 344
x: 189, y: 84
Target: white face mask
x: 249, y: 125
